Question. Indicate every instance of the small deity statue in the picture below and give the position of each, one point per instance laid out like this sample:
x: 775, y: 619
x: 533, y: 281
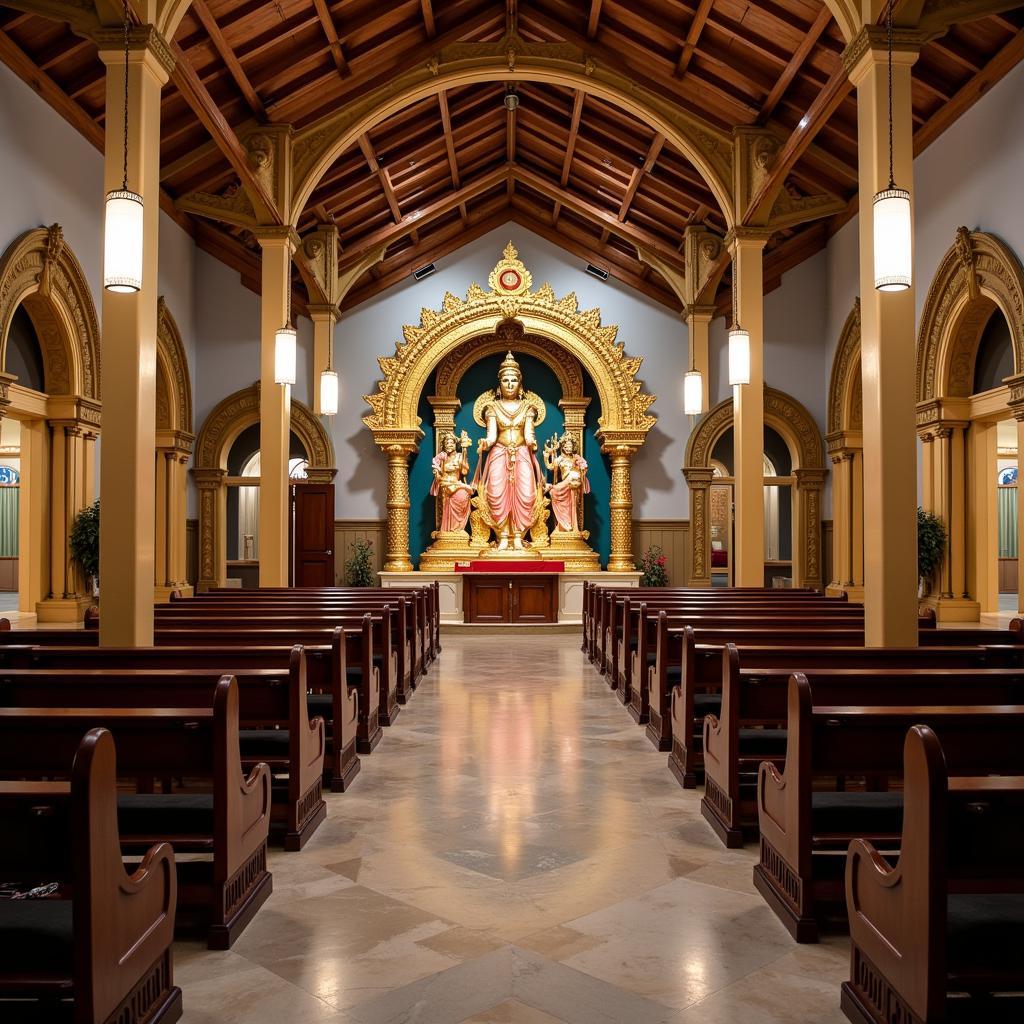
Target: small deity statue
x: 511, y: 475
x: 450, y: 467
x: 570, y: 473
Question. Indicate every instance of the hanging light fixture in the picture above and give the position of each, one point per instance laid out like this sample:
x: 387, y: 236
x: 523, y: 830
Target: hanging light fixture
x: 893, y: 227
x: 693, y: 393
x: 739, y: 355
x: 329, y: 385
x: 284, y: 355
x: 123, y: 227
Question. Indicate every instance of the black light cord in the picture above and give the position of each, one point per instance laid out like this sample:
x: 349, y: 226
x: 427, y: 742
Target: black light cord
x: 888, y: 27
x: 127, y: 31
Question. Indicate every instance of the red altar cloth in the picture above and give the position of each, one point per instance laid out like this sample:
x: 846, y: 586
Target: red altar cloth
x: 511, y: 565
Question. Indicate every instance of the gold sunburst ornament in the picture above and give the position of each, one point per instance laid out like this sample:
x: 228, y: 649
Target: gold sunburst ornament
x: 510, y: 276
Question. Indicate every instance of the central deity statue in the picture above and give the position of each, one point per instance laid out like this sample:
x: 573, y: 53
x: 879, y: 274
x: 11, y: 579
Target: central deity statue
x: 510, y: 479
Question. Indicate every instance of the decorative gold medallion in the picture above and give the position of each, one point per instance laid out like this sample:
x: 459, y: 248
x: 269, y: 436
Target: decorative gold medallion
x: 510, y: 276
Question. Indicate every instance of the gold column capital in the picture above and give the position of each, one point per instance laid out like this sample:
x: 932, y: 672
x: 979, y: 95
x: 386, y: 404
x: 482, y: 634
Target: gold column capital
x: 277, y: 236
x: 747, y: 238
x: 870, y: 46
x: 698, y: 476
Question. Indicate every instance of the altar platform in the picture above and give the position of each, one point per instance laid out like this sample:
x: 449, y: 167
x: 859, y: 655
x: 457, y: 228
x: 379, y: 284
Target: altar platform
x: 453, y: 591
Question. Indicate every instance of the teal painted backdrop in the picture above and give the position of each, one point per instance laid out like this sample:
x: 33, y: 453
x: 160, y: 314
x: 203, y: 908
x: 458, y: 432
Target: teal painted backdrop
x: 537, y: 377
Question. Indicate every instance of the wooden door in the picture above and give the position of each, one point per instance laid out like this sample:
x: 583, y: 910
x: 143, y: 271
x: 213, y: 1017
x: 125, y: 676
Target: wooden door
x: 533, y: 599
x: 312, y: 535
x: 488, y: 598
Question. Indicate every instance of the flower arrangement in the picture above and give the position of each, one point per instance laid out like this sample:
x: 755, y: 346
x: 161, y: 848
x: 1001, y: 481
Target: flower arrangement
x: 652, y: 566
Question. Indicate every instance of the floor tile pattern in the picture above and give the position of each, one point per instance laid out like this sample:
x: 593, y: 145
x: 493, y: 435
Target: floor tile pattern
x: 514, y: 852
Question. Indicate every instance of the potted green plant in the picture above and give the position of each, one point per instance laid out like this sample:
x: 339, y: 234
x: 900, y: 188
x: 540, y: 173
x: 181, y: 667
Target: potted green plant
x: 359, y: 568
x: 84, y: 543
x: 931, y: 547
x: 652, y: 566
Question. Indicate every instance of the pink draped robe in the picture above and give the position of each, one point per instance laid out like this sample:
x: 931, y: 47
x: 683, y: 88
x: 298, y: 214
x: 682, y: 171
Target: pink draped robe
x: 455, y: 495
x: 563, y: 494
x: 510, y: 486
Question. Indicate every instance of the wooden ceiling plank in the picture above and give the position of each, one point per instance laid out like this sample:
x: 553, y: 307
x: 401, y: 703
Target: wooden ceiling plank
x: 223, y: 48
x: 807, y: 43
x: 637, y: 176
x: 209, y: 114
x: 375, y: 165
x: 449, y: 138
x: 428, y: 18
x: 1001, y: 64
x: 700, y: 18
x: 323, y: 12
x: 574, y: 130
x: 510, y: 136
x: 595, y: 17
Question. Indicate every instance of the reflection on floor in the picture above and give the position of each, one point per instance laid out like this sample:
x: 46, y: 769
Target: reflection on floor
x: 514, y: 851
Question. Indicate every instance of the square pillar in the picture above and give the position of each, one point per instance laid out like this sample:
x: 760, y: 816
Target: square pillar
x: 324, y: 319
x: 888, y: 355
x: 129, y: 349
x: 698, y: 328
x: 747, y: 248
x: 278, y: 245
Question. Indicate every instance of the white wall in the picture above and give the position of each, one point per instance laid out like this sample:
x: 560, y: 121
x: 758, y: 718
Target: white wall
x: 52, y: 175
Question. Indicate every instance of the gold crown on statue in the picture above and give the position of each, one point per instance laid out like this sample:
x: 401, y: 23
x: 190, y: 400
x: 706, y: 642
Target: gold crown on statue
x: 509, y: 363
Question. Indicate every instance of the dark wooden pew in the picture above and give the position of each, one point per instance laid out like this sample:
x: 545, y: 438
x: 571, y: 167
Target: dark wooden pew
x: 698, y: 671
x: 99, y: 950
x: 273, y: 720
x: 227, y: 822
x: 935, y: 936
x: 357, y: 667
x: 751, y: 725
x: 807, y: 821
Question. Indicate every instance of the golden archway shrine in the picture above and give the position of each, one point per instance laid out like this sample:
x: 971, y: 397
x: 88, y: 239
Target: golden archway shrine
x: 513, y: 500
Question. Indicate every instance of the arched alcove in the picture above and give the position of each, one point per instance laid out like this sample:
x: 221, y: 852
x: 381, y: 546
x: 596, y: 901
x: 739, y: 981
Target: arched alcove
x: 796, y: 428
x: 226, y: 422
x: 50, y: 384
x: 971, y: 331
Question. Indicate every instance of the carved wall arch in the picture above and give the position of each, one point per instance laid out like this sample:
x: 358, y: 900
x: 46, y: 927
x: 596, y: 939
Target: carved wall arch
x: 38, y: 269
x: 797, y: 428
x: 978, y: 273
x: 227, y: 420
x: 845, y: 420
x: 174, y: 385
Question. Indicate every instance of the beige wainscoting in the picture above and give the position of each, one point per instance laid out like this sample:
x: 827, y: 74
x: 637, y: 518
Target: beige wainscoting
x: 673, y: 537
x: 346, y: 531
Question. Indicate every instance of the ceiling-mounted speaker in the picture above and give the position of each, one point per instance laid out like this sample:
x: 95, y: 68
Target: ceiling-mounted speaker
x: 601, y: 275
x: 424, y: 271
x: 511, y: 101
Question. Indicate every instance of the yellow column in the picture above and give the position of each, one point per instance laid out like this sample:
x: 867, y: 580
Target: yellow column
x: 856, y: 589
x: 943, y: 489
x: 396, y: 558
x: 841, y: 466
x: 1020, y: 507
x: 747, y: 247
x: 698, y: 327
x: 129, y: 350
x: 887, y: 353
x: 34, y: 504
x: 275, y: 408
x: 621, y: 504
x: 324, y: 318
x: 213, y: 530
x: 699, y: 482
x: 160, y: 565
x: 180, y: 572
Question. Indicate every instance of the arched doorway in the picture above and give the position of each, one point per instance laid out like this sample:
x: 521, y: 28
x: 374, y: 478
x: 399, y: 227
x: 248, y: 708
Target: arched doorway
x: 225, y: 448
x: 970, y: 390
x: 49, y: 350
x: 794, y: 478
x: 845, y: 442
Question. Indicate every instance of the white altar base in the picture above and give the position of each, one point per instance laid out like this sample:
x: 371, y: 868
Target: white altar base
x: 570, y: 593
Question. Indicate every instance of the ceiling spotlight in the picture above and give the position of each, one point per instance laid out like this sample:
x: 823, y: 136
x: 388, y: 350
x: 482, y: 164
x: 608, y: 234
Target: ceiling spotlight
x: 511, y: 101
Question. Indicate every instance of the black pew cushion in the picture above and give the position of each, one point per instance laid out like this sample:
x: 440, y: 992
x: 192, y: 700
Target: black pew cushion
x: 263, y: 742
x: 674, y: 675
x: 159, y: 814
x: 765, y: 742
x: 707, y: 704
x: 859, y: 813
x: 985, y: 932
x: 321, y: 704
x: 36, y: 937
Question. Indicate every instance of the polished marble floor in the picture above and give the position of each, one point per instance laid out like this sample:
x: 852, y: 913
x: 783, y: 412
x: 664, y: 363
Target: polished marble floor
x: 514, y: 852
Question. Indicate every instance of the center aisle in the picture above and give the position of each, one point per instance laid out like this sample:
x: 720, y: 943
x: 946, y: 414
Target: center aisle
x: 518, y: 853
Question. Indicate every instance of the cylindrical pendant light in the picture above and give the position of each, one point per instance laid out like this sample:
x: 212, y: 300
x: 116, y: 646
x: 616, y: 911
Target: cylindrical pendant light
x: 122, y: 224
x: 893, y: 224
x: 284, y: 355
x: 693, y: 393
x: 739, y: 355
x: 329, y: 388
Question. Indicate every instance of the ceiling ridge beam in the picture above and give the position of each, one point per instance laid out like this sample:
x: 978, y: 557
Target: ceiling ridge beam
x: 700, y: 18
x: 323, y: 12
x: 574, y: 130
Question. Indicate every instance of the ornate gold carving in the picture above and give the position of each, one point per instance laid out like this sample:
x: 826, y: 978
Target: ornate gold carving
x: 978, y: 271
x: 141, y: 37
x: 40, y: 258
x: 510, y: 276
x: 171, y: 353
x: 233, y: 205
x: 873, y: 37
